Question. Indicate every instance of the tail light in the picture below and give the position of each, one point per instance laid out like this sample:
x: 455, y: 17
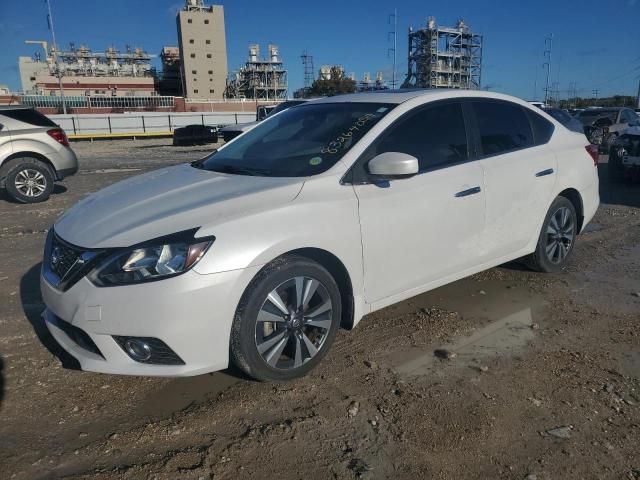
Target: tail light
x: 593, y: 151
x: 59, y: 136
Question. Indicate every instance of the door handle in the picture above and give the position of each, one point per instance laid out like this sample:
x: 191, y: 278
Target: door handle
x: 543, y: 173
x: 470, y: 191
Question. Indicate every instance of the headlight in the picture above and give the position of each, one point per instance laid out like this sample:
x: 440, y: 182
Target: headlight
x: 163, y: 258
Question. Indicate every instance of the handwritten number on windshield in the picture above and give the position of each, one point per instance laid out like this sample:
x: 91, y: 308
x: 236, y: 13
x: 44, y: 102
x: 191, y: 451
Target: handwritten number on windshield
x: 335, y: 145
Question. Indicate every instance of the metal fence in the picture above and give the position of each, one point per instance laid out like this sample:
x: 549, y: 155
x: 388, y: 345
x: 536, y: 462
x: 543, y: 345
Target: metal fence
x: 44, y: 101
x: 144, y: 122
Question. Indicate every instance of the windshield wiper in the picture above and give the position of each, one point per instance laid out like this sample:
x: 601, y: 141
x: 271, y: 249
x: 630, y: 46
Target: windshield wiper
x: 233, y: 169
x: 200, y: 163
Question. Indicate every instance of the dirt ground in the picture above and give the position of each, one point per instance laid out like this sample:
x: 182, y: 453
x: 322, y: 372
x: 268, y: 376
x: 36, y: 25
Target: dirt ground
x: 543, y: 383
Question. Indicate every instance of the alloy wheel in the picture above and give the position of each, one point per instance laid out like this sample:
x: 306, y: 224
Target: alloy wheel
x: 30, y: 182
x: 293, y: 323
x: 560, y: 235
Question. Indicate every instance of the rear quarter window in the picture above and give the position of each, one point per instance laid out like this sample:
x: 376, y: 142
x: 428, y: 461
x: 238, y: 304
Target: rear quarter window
x: 542, y: 128
x: 29, y: 116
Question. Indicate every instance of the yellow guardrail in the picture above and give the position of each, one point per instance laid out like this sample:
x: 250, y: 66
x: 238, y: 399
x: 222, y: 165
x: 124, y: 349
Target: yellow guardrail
x: 92, y: 136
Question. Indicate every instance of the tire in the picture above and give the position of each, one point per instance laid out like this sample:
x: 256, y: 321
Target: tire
x: 29, y: 180
x: 615, y: 170
x: 268, y: 344
x: 553, y: 250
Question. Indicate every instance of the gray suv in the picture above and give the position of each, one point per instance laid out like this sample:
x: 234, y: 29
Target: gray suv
x: 34, y: 153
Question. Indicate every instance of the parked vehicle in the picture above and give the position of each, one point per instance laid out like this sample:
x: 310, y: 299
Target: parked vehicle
x: 263, y: 111
x: 232, y: 131
x: 34, y: 153
x: 195, y: 135
x: 565, y: 119
x: 258, y: 253
x: 624, y: 156
x: 603, y: 125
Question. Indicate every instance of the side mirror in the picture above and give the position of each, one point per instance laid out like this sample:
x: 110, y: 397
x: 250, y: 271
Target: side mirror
x: 393, y: 165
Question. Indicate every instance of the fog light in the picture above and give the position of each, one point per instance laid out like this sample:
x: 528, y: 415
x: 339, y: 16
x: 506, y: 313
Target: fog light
x: 137, y: 349
x: 148, y: 350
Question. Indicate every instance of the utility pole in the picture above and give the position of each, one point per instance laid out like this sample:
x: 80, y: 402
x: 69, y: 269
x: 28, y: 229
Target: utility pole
x: 394, y: 15
x: 638, y: 97
x: 547, y: 54
x: 55, y: 58
x: 595, y: 92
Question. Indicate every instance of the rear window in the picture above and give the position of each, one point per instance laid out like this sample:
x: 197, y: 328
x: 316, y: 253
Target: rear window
x: 542, y: 128
x: 29, y: 116
x: 503, y: 127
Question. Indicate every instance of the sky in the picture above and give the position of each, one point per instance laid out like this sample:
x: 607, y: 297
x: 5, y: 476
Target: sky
x: 596, y: 43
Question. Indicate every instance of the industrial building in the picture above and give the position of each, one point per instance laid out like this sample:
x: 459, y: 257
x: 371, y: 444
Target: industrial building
x: 170, y: 79
x: 203, y: 50
x: 260, y: 78
x: 368, y: 84
x: 88, y: 73
x: 444, y: 57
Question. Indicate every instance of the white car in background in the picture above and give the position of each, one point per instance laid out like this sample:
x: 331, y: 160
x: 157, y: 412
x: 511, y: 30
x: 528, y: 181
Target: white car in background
x: 317, y: 216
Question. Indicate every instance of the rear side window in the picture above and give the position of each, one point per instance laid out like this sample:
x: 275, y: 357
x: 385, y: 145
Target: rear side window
x: 435, y: 135
x: 29, y: 116
x: 542, y: 128
x: 503, y: 127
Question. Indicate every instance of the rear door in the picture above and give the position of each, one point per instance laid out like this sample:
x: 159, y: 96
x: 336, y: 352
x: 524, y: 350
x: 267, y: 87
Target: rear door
x: 520, y: 173
x: 424, y: 228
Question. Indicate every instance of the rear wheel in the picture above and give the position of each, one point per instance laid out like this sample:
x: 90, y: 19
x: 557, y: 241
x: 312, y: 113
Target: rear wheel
x: 286, y: 320
x: 557, y: 238
x: 29, y: 181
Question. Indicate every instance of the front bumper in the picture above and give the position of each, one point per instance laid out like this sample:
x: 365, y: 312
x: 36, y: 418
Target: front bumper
x: 191, y: 313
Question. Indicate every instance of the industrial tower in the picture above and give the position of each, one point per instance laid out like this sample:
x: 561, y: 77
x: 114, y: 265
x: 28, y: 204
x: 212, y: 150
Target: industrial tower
x: 444, y: 57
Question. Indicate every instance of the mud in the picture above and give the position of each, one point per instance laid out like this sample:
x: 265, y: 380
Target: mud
x: 534, y: 354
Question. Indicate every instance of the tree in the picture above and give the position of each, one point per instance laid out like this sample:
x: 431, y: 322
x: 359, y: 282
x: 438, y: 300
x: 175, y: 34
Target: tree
x: 335, y: 84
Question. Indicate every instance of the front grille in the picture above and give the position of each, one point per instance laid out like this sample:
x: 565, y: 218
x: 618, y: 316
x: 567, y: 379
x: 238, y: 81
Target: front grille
x: 79, y: 336
x: 63, y: 257
x: 64, y: 264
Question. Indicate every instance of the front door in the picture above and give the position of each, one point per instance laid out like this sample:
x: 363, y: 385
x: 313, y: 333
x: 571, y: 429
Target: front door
x: 421, y: 229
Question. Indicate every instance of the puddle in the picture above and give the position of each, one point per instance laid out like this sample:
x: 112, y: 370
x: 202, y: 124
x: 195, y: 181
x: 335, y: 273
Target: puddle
x: 630, y: 364
x: 181, y: 393
x: 592, y: 227
x: 505, y: 314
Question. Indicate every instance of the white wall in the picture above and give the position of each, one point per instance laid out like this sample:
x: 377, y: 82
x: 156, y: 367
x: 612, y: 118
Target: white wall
x: 140, y: 122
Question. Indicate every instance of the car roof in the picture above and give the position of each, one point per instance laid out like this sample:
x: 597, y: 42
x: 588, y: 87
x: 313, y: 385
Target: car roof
x: 403, y: 95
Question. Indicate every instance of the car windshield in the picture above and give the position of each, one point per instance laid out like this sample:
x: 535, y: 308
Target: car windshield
x: 559, y: 115
x: 299, y: 142
x: 598, y: 113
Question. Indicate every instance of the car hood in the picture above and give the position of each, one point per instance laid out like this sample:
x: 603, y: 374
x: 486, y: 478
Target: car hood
x: 167, y: 201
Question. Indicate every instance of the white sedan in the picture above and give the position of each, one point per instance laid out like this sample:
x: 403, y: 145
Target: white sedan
x: 319, y: 215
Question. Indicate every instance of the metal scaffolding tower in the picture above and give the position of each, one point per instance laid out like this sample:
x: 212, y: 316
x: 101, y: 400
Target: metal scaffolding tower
x: 259, y: 79
x: 444, y: 57
x: 309, y: 71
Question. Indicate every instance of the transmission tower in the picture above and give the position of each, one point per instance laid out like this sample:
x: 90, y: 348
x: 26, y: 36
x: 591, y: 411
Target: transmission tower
x: 309, y: 71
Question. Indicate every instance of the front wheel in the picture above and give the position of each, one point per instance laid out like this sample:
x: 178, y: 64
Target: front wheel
x: 557, y: 238
x: 286, y: 321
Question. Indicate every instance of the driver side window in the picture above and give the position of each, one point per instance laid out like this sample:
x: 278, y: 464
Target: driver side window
x: 435, y: 135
